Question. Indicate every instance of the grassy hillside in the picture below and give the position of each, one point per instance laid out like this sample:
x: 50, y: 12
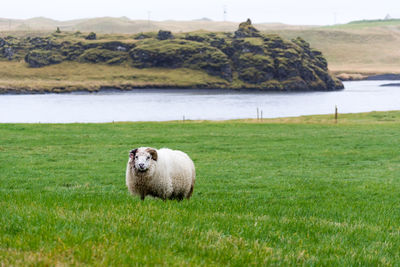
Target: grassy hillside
x: 363, y: 50
x: 302, y: 193
x: 246, y: 58
x: 73, y: 76
x: 368, y: 24
x: 369, y: 46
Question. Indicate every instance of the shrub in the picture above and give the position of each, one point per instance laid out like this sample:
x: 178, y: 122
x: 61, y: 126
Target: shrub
x: 40, y: 58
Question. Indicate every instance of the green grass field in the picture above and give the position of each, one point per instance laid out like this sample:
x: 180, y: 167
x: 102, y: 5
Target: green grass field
x: 301, y: 191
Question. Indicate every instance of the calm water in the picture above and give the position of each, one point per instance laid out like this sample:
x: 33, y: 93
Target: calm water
x: 159, y: 105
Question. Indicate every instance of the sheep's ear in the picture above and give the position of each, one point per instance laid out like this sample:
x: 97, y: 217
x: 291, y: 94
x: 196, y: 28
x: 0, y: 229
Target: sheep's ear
x: 153, y: 153
x: 132, y: 153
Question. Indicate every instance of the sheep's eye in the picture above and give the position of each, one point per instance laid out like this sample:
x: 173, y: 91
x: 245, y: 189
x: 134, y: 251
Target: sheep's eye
x: 136, y: 157
x: 148, y: 157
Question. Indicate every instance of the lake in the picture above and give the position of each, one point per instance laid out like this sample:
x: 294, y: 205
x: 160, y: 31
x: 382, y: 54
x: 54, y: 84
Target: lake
x: 164, y: 105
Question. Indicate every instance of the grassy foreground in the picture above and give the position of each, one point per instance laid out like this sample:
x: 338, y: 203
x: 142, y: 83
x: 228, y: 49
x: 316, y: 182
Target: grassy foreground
x: 293, y: 191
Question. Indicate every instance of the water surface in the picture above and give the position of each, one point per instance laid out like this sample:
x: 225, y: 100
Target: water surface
x: 163, y: 105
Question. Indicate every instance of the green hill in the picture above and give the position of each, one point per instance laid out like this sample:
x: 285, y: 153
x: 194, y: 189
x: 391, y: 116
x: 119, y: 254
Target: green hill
x: 368, y: 24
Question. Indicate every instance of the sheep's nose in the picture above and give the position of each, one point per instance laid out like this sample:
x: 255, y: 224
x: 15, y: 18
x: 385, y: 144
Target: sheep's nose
x: 141, y: 165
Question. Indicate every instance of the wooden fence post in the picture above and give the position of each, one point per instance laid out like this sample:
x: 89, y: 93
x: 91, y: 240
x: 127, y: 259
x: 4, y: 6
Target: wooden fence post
x: 336, y: 114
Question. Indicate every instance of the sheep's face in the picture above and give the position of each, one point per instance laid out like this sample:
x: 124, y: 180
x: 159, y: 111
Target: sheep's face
x: 142, y: 158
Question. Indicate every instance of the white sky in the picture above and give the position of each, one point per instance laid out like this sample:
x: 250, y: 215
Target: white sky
x: 317, y: 12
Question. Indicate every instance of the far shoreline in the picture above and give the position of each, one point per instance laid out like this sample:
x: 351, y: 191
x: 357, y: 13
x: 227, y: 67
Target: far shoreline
x: 344, y: 76
x: 66, y: 88
x: 144, y: 89
x: 390, y: 85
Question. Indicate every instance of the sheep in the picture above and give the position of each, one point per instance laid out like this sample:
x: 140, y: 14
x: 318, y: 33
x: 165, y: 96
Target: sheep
x: 163, y: 173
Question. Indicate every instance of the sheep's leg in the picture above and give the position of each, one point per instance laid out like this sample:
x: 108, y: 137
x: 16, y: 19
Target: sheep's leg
x: 142, y: 196
x: 180, y: 196
x: 190, y: 192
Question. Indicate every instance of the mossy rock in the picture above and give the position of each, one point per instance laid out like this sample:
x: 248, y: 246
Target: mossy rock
x: 285, y: 68
x: 302, y: 43
x: 222, y: 41
x: 40, y: 58
x: 271, y: 85
x: 254, y: 69
x: 197, y: 37
x: 254, y: 76
x: 96, y: 55
x: 248, y: 45
x: 71, y: 51
x: 273, y: 42
x: 213, y: 61
x: 181, y: 53
x: 296, y: 83
x: 246, y: 29
x: 91, y: 36
x: 2, y: 42
x: 117, y: 46
x: 7, y: 52
x: 254, y: 41
x: 164, y: 35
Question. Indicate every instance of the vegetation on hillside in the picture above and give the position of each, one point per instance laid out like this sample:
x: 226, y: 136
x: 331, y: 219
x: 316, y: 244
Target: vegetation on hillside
x: 369, y: 23
x: 361, y: 47
x: 245, y: 59
x: 310, y: 192
x: 72, y: 76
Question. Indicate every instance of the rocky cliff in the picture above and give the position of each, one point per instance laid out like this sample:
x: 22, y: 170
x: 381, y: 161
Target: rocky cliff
x: 246, y: 58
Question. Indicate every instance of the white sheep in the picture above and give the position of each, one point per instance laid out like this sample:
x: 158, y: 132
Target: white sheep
x: 163, y: 173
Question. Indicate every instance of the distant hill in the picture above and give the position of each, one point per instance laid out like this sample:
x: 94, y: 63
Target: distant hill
x: 356, y: 47
x: 364, y: 24
x: 125, y: 25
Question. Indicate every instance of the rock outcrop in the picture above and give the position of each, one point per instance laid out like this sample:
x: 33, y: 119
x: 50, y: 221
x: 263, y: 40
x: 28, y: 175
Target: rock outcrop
x: 246, y: 58
x: 181, y: 54
x: 246, y: 29
x: 91, y: 36
x: 253, y: 59
x: 39, y: 58
x: 164, y: 35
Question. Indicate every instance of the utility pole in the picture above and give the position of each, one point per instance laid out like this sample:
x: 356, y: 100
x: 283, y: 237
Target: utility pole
x: 225, y: 12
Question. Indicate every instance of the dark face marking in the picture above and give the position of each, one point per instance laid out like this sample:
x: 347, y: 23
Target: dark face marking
x: 132, y: 153
x: 153, y: 153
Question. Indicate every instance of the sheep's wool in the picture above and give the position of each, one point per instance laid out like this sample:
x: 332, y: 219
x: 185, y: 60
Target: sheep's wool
x: 163, y: 173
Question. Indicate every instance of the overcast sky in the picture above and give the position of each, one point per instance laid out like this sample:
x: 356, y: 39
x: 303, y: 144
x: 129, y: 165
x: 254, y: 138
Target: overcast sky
x: 311, y: 12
